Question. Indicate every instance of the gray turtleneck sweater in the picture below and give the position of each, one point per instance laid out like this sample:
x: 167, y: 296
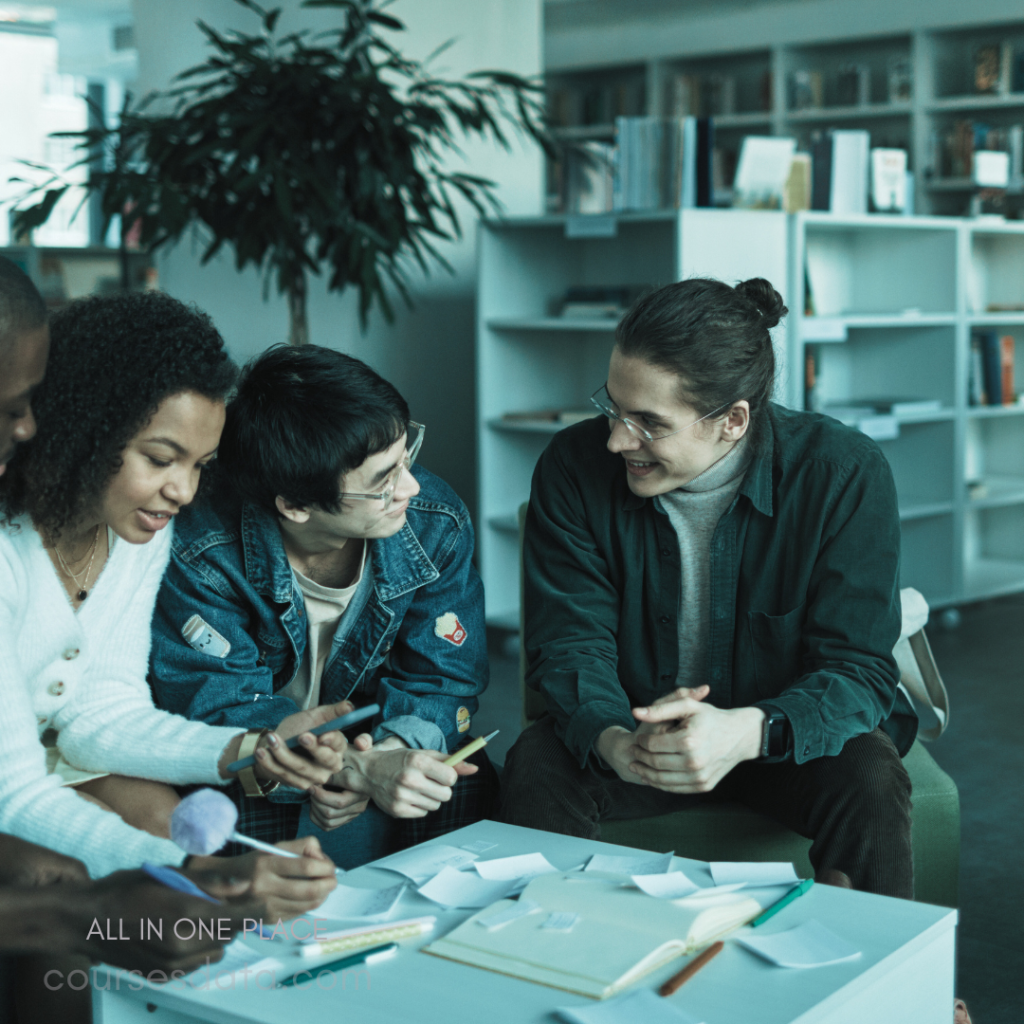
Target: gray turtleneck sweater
x: 694, y: 511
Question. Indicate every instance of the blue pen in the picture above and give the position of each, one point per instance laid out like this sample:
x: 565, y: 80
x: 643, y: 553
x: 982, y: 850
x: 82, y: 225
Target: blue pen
x: 365, y: 956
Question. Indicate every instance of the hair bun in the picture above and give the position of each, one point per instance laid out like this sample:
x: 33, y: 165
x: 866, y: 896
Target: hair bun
x: 765, y: 298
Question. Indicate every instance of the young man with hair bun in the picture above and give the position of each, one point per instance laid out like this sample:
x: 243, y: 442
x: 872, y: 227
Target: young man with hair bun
x: 712, y: 600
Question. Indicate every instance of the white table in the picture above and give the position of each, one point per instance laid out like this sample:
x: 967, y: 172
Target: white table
x: 905, y: 975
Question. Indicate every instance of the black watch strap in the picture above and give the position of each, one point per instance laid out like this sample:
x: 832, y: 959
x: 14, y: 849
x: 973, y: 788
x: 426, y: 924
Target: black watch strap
x: 775, y: 736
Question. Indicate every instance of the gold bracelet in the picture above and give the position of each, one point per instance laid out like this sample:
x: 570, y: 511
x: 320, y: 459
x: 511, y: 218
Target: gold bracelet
x: 251, y: 785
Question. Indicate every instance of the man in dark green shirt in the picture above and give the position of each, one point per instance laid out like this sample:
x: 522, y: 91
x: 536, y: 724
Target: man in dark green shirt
x: 712, y: 600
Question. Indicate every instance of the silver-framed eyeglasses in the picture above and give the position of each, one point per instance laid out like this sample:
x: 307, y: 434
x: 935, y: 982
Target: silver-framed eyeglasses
x: 413, y: 443
x: 603, y: 401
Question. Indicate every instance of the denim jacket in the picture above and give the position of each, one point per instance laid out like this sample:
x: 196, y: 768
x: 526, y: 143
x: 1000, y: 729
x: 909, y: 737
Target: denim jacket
x: 412, y: 639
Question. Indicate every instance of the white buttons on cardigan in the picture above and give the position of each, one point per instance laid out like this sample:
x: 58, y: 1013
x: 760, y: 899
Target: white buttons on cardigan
x: 71, y: 653
x: 56, y: 689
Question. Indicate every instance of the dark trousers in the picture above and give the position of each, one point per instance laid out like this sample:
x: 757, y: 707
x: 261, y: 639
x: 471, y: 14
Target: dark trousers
x: 855, y: 807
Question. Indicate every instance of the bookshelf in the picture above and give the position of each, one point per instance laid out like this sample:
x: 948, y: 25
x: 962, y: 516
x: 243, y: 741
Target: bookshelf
x: 529, y: 358
x: 896, y: 300
x: 922, y: 89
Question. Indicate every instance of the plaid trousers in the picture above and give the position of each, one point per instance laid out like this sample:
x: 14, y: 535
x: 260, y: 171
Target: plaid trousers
x: 474, y: 797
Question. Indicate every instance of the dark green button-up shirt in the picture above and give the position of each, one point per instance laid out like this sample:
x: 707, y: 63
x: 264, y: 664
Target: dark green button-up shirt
x: 805, y: 604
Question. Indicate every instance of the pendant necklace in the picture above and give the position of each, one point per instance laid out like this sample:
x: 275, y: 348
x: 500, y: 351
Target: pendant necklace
x: 78, y: 578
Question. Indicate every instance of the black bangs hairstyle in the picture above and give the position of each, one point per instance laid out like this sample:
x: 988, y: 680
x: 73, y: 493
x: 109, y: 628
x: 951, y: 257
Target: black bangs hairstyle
x: 713, y: 336
x: 113, y: 360
x: 301, y: 419
x: 21, y: 306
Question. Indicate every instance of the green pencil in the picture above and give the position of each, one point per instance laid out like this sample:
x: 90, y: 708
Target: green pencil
x: 797, y: 890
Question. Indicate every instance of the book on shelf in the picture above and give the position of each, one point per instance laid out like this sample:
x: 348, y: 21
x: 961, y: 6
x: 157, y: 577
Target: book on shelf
x: 590, y: 177
x: 718, y: 95
x: 868, y: 420
x: 853, y: 85
x: 806, y: 90
x: 682, y: 95
x: 796, y: 195
x: 1006, y: 361
x: 588, y: 302
x: 620, y: 934
x: 899, y: 406
x: 812, y: 402
x: 975, y: 374
x: 889, y: 179
x: 991, y: 168
x: 763, y: 172
x: 961, y: 152
x: 986, y: 68
x: 900, y: 79
x: 663, y: 162
x: 840, y: 171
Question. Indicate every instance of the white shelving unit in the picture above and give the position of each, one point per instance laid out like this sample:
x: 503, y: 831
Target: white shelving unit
x: 529, y: 359
x: 908, y: 292
x: 938, y: 52
x: 904, y: 292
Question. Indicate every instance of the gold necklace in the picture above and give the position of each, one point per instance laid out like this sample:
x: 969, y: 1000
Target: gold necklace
x: 83, y: 592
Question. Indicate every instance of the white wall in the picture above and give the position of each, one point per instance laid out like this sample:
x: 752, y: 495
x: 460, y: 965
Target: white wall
x: 589, y: 34
x: 428, y: 353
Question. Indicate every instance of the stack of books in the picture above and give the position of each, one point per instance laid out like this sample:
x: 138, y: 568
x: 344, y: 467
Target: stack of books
x: 990, y: 372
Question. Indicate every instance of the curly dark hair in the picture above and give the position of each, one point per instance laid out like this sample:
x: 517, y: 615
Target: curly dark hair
x: 113, y: 360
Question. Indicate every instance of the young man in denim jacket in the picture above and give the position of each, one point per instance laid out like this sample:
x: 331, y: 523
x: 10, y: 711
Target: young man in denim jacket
x: 323, y: 566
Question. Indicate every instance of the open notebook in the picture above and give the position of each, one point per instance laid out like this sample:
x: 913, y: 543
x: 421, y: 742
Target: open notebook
x: 621, y: 935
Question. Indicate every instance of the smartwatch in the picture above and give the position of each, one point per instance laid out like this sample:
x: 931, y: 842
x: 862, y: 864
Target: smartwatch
x: 775, y: 736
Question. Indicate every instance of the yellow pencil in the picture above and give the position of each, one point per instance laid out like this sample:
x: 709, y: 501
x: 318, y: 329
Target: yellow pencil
x: 470, y: 748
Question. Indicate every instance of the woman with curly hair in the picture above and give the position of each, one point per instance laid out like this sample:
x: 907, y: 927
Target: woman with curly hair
x: 129, y: 413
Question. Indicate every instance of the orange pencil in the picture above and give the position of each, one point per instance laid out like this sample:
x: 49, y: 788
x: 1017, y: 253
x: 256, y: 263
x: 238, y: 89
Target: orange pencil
x: 691, y: 969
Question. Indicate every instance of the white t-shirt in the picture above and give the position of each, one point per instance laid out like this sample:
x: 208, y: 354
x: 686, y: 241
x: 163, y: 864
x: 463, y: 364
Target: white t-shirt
x: 324, y: 609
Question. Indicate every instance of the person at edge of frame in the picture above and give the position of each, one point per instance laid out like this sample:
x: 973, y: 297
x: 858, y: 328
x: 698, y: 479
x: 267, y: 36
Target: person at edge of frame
x: 325, y: 564
x: 80, y: 792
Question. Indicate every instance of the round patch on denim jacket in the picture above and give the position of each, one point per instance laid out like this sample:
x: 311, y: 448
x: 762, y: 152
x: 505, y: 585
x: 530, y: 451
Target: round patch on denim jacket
x: 448, y: 627
x: 462, y: 719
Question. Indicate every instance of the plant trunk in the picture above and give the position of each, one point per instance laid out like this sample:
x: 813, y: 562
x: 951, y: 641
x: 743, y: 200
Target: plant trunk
x: 298, y: 326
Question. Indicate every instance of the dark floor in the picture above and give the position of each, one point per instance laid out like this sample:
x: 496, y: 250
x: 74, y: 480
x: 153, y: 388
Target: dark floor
x: 982, y: 663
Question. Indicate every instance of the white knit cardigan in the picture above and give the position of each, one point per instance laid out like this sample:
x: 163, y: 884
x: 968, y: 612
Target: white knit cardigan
x: 84, y: 675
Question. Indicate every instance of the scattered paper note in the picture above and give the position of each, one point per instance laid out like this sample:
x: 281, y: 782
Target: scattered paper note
x: 752, y: 874
x: 711, y: 894
x: 347, y: 902
x: 640, y: 1005
x: 453, y: 888
x: 239, y: 963
x: 479, y: 846
x: 520, y: 908
x: 810, y: 944
x: 644, y: 864
x: 561, y: 921
x: 666, y: 887
x: 422, y: 862
x: 525, y: 867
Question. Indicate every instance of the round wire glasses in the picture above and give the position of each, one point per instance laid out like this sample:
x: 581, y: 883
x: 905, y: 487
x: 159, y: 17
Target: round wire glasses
x: 603, y: 401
